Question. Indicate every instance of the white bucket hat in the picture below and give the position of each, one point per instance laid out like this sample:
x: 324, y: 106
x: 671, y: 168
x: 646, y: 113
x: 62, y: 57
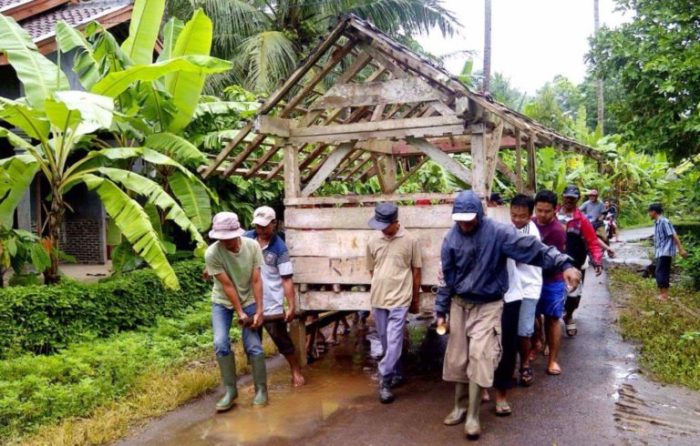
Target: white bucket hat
x: 225, y: 226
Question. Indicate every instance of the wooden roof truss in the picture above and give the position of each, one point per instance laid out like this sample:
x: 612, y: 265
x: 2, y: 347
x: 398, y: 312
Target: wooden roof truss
x: 363, y: 105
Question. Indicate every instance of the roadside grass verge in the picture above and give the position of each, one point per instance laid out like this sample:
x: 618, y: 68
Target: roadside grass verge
x: 667, y: 333
x: 94, y: 393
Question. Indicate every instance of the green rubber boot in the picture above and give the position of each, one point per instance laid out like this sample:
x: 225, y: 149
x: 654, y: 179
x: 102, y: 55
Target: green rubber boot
x: 259, y: 379
x: 472, y: 428
x: 459, y: 412
x: 227, y: 366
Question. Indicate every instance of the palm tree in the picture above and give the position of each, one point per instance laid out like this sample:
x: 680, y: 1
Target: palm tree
x: 486, y: 85
x: 265, y: 39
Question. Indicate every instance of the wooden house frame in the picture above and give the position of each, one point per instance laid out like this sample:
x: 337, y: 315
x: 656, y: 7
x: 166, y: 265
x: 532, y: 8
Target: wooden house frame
x: 362, y: 105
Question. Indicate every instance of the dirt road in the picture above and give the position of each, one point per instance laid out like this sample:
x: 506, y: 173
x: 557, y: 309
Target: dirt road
x: 601, y: 398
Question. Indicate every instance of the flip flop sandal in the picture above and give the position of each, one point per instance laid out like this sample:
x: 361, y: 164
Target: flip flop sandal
x: 526, y: 376
x: 503, y: 409
x: 571, y: 329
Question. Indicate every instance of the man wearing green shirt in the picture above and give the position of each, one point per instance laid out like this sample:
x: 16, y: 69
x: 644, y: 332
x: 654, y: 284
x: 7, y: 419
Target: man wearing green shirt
x: 234, y: 262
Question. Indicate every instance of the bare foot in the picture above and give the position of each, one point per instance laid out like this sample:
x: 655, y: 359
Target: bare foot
x: 553, y: 369
x: 298, y: 379
x: 485, y: 398
x: 662, y: 297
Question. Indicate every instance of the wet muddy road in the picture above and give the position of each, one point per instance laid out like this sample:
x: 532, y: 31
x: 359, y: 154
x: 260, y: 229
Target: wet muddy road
x: 600, y: 399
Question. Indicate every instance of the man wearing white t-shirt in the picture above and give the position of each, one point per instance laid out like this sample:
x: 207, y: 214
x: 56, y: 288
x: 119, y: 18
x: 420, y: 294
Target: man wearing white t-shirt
x: 518, y: 318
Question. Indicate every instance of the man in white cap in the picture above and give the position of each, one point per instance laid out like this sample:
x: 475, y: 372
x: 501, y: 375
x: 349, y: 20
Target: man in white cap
x: 277, y: 285
x: 234, y: 263
x: 394, y: 261
x: 474, y: 264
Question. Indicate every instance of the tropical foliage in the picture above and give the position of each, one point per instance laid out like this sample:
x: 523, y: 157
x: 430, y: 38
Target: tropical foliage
x: 654, y: 60
x: 266, y: 39
x: 125, y: 89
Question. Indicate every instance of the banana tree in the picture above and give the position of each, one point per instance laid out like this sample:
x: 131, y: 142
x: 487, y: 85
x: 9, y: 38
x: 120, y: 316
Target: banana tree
x: 59, y: 123
x: 153, y: 113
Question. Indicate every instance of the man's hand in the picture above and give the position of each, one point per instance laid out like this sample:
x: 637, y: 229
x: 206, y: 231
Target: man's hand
x: 611, y: 253
x: 440, y: 320
x: 242, y: 317
x: 205, y: 275
x: 572, y: 277
x: 289, y: 315
x: 683, y: 253
x: 598, y: 269
x: 415, y: 306
x: 257, y: 320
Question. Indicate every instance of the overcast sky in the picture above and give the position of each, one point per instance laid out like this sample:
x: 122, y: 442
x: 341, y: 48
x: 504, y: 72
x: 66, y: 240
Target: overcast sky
x: 531, y: 40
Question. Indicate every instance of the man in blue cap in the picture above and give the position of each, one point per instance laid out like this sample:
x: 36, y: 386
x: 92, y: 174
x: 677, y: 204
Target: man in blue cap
x: 394, y: 261
x: 474, y: 254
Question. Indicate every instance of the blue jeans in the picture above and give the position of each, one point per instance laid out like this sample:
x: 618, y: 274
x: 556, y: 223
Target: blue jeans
x: 221, y: 319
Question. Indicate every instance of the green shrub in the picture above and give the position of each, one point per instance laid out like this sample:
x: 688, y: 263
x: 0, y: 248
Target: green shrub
x: 35, y: 390
x: 44, y: 319
x: 691, y: 264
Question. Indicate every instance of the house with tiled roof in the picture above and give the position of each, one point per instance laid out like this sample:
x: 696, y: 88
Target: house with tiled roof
x: 85, y: 233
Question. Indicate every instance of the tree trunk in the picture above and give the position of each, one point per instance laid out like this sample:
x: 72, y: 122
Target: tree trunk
x: 600, y: 109
x: 56, y: 214
x: 486, y: 84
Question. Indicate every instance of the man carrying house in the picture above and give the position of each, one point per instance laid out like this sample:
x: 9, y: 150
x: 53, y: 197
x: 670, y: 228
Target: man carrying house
x: 474, y: 254
x: 234, y: 262
x: 520, y: 303
x: 666, y: 241
x: 581, y: 242
x: 394, y: 261
x: 277, y: 285
x: 553, y: 295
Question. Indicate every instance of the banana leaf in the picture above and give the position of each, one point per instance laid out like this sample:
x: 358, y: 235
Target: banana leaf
x: 18, y: 173
x: 85, y: 65
x: 186, y: 87
x: 133, y: 222
x: 143, y: 30
x: 39, y: 76
x: 176, y: 148
x: 115, y: 83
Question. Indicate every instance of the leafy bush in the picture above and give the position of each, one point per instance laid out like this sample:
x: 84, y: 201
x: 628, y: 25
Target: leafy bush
x: 691, y: 264
x: 35, y: 390
x: 43, y: 319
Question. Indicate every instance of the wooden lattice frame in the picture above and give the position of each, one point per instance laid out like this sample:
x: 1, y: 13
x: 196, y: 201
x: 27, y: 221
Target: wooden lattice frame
x: 361, y: 102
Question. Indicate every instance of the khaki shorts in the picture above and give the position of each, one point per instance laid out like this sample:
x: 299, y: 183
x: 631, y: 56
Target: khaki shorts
x: 474, y: 346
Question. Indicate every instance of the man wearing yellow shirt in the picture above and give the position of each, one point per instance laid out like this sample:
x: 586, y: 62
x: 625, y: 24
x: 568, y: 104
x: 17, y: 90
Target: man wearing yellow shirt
x: 394, y: 261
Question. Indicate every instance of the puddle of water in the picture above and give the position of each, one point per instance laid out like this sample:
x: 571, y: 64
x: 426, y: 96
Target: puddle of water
x: 332, y: 384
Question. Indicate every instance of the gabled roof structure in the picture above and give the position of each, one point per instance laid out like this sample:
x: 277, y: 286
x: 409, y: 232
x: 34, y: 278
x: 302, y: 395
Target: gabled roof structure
x: 39, y: 17
x: 361, y: 104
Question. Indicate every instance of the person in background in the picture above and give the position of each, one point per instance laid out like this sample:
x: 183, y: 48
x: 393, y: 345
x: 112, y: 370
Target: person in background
x: 394, y: 262
x: 518, y: 319
x: 610, y: 215
x: 581, y: 243
x: 277, y: 285
x: 666, y: 243
x: 495, y: 200
x: 234, y: 263
x: 473, y: 256
x: 593, y: 208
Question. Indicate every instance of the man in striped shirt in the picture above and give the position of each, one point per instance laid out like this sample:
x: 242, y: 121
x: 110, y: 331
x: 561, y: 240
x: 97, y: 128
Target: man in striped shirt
x: 665, y: 243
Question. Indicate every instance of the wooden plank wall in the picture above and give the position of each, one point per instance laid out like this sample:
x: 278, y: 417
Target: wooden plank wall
x: 328, y: 246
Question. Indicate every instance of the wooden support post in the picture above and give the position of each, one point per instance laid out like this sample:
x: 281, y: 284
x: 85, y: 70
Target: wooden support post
x: 519, y: 184
x: 386, y: 167
x: 531, y: 168
x: 292, y: 182
x: 442, y: 159
x: 297, y: 331
x: 478, y: 149
x: 492, y: 155
x: 328, y: 166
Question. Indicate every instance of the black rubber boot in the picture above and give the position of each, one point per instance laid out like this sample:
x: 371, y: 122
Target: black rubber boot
x: 227, y: 366
x: 459, y: 412
x: 385, y: 395
x: 472, y: 427
x: 259, y: 379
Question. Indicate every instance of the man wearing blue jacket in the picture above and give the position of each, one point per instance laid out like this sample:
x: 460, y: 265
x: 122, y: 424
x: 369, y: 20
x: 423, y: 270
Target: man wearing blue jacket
x: 474, y: 254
